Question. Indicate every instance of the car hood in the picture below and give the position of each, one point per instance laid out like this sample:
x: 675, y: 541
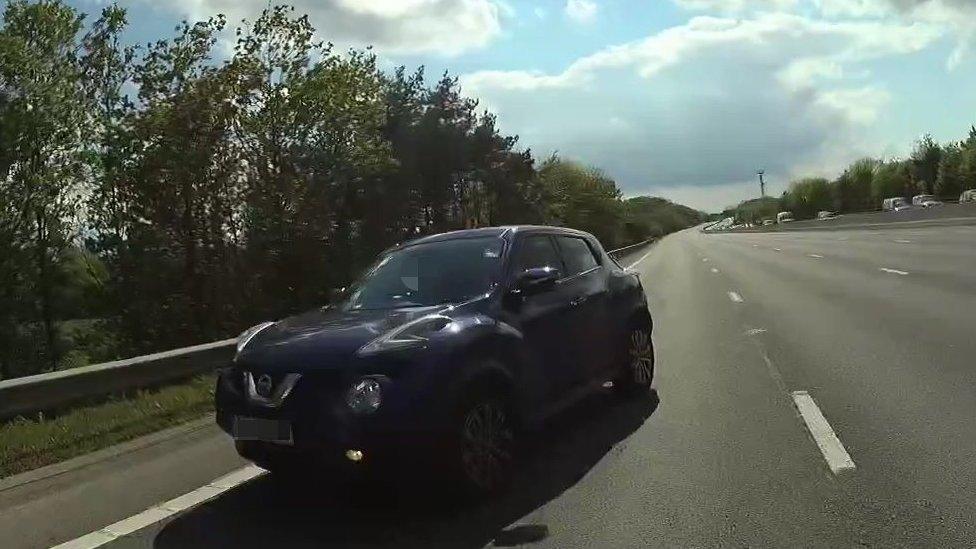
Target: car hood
x: 325, y: 338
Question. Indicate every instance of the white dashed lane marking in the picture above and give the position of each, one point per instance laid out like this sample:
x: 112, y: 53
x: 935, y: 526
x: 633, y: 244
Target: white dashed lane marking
x: 894, y: 271
x: 902, y: 241
x: 164, y: 510
x: 643, y: 257
x: 736, y: 298
x: 823, y: 434
x: 815, y: 256
x: 714, y: 270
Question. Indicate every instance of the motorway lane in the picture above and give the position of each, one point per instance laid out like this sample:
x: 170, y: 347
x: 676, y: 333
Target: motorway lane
x: 723, y: 459
x: 889, y: 358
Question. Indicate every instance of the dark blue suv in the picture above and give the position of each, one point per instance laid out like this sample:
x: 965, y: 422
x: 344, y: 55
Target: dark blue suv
x: 448, y: 347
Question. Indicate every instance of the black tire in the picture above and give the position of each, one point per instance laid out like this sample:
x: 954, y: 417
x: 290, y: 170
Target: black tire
x: 483, y: 444
x: 637, y: 371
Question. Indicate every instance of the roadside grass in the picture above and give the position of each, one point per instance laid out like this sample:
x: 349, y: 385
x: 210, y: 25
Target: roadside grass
x: 27, y: 444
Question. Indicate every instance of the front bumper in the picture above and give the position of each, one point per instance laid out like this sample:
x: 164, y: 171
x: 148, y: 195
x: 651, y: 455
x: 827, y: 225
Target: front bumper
x: 322, y: 423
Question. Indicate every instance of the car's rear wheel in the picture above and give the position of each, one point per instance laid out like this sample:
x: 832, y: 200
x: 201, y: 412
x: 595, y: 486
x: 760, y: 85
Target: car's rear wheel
x: 484, y: 444
x: 638, y: 372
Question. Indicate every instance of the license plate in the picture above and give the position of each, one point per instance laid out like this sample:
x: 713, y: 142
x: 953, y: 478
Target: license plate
x: 265, y: 430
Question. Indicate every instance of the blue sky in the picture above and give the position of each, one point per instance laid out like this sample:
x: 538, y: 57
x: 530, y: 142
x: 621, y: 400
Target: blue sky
x: 677, y: 98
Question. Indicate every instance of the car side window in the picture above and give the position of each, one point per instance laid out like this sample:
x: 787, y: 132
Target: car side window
x: 576, y: 254
x: 537, y: 251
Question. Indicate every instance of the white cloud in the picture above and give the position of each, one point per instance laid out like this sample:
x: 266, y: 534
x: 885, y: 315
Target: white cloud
x: 581, y: 11
x: 730, y: 6
x: 859, y: 105
x: 703, y: 105
x: 957, y: 16
x: 539, y: 12
x: 807, y: 71
x: 780, y: 37
x: 444, y: 27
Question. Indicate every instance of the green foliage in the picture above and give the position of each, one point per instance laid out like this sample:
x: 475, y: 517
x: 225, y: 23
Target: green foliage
x: 236, y: 188
x: 944, y: 170
x: 925, y: 161
x: 41, y: 166
x: 756, y: 210
x: 806, y: 197
x: 582, y: 198
x: 27, y: 444
x: 647, y: 216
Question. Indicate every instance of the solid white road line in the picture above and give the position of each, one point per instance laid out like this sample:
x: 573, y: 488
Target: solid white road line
x: 164, y: 510
x: 815, y: 256
x: 714, y: 270
x: 736, y: 298
x: 894, y: 271
x: 830, y: 446
x: 643, y: 257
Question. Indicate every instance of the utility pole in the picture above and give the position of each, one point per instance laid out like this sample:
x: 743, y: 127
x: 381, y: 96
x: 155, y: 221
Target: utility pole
x: 762, y: 184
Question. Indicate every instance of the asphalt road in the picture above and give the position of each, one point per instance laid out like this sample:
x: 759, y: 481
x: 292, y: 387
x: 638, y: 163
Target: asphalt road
x: 877, y: 326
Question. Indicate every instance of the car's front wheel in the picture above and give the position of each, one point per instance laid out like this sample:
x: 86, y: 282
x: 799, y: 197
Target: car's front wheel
x: 484, y: 444
x: 638, y: 372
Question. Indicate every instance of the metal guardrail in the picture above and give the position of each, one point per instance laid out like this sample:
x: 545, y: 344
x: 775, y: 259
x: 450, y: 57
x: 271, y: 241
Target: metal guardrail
x: 30, y: 394
x: 618, y: 251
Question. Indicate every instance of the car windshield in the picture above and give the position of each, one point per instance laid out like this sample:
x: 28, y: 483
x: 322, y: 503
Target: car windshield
x: 448, y: 271
x: 924, y: 197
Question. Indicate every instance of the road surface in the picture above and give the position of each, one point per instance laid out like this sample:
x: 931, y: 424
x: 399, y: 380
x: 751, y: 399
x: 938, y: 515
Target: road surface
x: 870, y: 331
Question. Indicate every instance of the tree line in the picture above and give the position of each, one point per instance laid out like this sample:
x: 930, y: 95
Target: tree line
x: 158, y: 195
x: 943, y: 170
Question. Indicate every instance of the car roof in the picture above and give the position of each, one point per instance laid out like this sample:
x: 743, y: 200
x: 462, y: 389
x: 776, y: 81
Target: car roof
x: 499, y: 232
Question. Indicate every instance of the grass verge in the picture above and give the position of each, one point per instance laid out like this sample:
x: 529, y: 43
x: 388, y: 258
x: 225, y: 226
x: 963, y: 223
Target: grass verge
x: 27, y: 444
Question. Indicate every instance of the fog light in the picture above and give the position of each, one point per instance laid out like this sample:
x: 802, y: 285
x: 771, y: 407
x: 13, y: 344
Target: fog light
x: 354, y: 455
x: 365, y: 396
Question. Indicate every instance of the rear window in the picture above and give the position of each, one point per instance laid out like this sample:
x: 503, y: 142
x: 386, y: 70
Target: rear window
x: 576, y: 254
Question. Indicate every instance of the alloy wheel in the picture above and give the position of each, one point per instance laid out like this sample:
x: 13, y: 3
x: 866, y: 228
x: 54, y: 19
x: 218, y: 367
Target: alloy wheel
x: 486, y: 444
x: 641, y: 357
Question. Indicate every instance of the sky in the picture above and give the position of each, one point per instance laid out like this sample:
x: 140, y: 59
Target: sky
x: 684, y: 99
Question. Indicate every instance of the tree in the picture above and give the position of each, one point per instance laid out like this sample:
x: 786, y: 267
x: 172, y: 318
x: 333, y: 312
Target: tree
x: 948, y: 182
x: 808, y: 196
x: 925, y: 160
x: 853, y: 187
x: 582, y: 198
x: 967, y: 162
x: 891, y: 179
x: 43, y: 165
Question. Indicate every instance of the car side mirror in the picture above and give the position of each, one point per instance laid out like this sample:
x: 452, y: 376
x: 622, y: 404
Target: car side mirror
x: 537, y: 279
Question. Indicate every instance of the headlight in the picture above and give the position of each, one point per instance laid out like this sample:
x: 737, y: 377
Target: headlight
x: 365, y: 396
x: 249, y: 333
x: 412, y: 334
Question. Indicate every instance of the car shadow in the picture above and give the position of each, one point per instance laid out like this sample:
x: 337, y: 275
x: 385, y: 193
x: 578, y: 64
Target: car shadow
x: 264, y: 513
